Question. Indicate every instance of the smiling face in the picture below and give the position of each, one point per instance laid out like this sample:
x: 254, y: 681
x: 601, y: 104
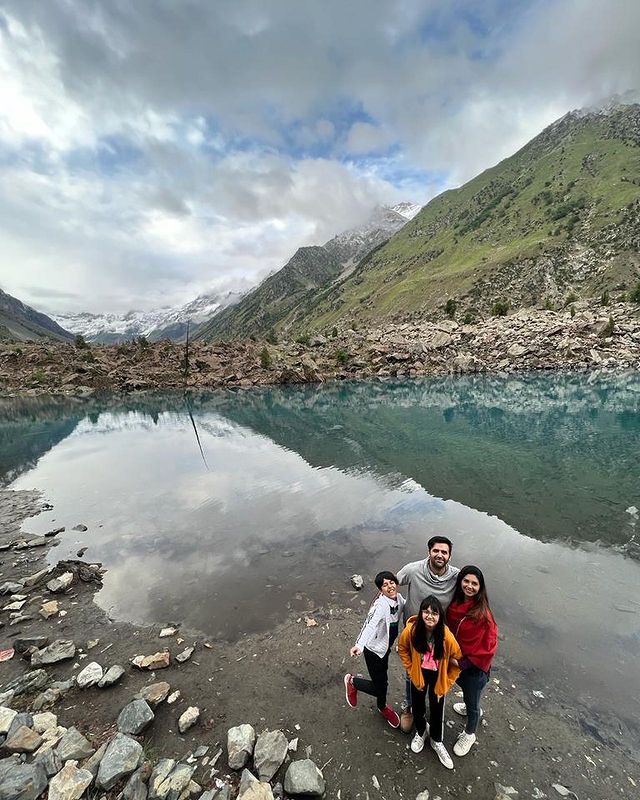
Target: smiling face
x: 389, y: 589
x: 470, y: 585
x: 439, y: 556
x: 430, y: 617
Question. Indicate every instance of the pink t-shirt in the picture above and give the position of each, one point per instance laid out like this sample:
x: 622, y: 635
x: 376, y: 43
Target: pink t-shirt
x: 429, y: 662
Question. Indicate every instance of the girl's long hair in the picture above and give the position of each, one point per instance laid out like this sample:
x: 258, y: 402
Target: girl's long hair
x: 419, y: 635
x: 481, y: 608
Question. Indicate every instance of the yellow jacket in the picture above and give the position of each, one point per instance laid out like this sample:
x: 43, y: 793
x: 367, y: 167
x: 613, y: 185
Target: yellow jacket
x: 412, y: 659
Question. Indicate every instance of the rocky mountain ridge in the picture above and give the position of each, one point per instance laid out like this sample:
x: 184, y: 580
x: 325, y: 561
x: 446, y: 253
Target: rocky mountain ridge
x: 22, y: 322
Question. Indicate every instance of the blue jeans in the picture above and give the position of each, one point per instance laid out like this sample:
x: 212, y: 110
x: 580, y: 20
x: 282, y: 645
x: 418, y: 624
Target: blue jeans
x: 472, y: 681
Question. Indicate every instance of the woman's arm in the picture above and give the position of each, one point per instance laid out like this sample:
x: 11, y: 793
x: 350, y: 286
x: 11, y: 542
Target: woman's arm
x: 405, y: 649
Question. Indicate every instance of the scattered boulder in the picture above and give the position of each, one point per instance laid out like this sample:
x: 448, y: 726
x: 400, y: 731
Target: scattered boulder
x: 270, y: 751
x: 177, y: 780
x: 32, y: 580
x: 49, y: 760
x: 154, y: 693
x: 7, y: 715
x: 29, y: 682
x: 158, y: 660
x: 60, y: 650
x: 23, y: 740
x: 303, y: 777
x: 111, y: 676
x: 160, y: 773
x: 44, y: 721
x: 49, y: 609
x: 135, y: 717
x: 69, y: 783
x: 93, y: 762
x: 121, y: 758
x: 10, y: 587
x: 74, y: 745
x: 240, y: 743
x: 90, y: 675
x: 185, y: 655
x: 61, y: 583
x: 188, y: 718
x: 23, y: 781
x: 24, y: 643
x: 136, y: 787
x: 423, y: 795
x: 20, y: 719
x: 357, y: 581
x: 165, y: 632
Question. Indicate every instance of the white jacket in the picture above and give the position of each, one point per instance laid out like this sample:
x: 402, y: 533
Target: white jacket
x: 375, y: 631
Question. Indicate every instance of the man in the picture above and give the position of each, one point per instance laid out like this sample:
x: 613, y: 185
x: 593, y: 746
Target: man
x: 431, y: 575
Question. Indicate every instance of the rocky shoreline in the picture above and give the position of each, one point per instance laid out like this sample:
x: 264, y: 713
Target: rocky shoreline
x: 583, y: 336
x: 105, y: 709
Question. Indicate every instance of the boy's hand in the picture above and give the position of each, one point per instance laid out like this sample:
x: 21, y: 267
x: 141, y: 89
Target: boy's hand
x: 355, y: 651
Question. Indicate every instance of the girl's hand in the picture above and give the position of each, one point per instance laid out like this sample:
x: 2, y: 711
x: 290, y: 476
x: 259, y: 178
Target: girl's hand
x: 355, y: 651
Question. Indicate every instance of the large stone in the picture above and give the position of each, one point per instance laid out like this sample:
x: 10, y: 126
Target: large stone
x: 21, y: 781
x: 61, y: 583
x: 32, y: 580
x: 49, y: 760
x: 154, y: 693
x: 74, y: 745
x: 111, y: 676
x: 121, y: 758
x: 69, y: 783
x: 135, y: 717
x: 136, y: 788
x: 257, y: 791
x: 188, y: 718
x: 44, y: 722
x: 156, y: 661
x: 7, y: 715
x: 160, y: 773
x: 29, y: 682
x: 24, y: 643
x: 22, y: 718
x: 174, y: 783
x: 23, y: 740
x: 90, y: 675
x: 303, y: 777
x: 240, y: 744
x: 60, y: 650
x: 270, y: 751
x: 93, y: 762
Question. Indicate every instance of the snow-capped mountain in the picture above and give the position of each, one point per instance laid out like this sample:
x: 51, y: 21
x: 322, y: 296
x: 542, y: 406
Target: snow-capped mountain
x: 352, y: 245
x: 168, y: 322
x: 407, y: 210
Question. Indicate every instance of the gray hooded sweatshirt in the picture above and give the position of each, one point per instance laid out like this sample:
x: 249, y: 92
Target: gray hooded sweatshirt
x: 422, y: 582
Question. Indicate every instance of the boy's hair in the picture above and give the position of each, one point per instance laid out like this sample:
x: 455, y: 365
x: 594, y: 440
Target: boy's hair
x: 439, y: 540
x: 383, y: 576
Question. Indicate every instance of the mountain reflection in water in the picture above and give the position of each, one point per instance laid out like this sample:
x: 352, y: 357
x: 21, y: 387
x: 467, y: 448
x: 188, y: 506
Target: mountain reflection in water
x: 300, y: 487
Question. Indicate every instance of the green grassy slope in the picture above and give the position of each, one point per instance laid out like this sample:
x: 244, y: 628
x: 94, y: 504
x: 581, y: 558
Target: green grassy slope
x: 560, y: 216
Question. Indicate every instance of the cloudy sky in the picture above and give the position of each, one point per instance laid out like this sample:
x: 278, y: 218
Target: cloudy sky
x: 155, y: 149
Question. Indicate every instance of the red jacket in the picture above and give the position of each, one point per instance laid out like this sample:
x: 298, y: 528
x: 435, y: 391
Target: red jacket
x: 477, y: 636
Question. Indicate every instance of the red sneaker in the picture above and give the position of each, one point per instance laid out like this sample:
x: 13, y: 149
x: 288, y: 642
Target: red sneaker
x: 350, y: 690
x: 390, y: 715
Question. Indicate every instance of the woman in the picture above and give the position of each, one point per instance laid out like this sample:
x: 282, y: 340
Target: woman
x: 430, y: 655
x: 469, y: 617
x: 376, y: 639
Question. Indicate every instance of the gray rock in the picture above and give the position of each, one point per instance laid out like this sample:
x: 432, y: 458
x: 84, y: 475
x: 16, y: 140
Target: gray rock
x: 7, y: 715
x: 46, y: 699
x: 303, y: 777
x: 61, y: 583
x: 247, y: 779
x: 50, y: 761
x: 136, y: 788
x: 192, y: 791
x: 505, y: 792
x: 23, y: 740
x: 90, y: 675
x: 240, y: 744
x: 201, y: 751
x: 79, y: 527
x: 21, y: 781
x: 121, y: 758
x: 69, y: 783
x: 23, y: 718
x: 6, y: 698
x: 43, y: 722
x: 175, y: 783
x: 32, y: 580
x: 74, y: 745
x: 278, y: 791
x: 257, y: 791
x: 270, y: 751
x: 93, y: 762
x: 111, y: 676
x: 188, y: 718
x: 10, y: 587
x: 423, y: 795
x: 135, y: 717
x: 160, y: 773
x: 23, y: 643
x: 60, y: 650
x: 357, y: 581
x: 154, y: 693
x: 29, y: 682
x: 185, y: 655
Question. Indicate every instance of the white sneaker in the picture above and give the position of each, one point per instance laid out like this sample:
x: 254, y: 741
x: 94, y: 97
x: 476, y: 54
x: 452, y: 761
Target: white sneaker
x: 461, y: 708
x: 441, y: 751
x: 464, y: 744
x: 417, y: 743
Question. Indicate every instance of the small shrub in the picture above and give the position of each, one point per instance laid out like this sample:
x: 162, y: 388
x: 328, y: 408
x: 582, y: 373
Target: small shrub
x: 334, y: 332
x: 450, y: 308
x: 469, y: 318
x: 570, y: 298
x: 500, y: 308
x: 80, y: 342
x: 605, y: 300
x: 608, y: 329
x: 272, y: 337
x: 38, y: 375
x: 88, y: 357
x: 634, y: 296
x: 305, y: 339
x: 342, y: 357
x: 266, y: 362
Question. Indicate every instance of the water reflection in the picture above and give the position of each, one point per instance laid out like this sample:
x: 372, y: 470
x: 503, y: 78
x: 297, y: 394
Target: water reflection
x: 301, y: 487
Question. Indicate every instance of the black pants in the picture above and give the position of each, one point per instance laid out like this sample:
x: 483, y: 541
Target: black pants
x: 378, y: 669
x: 436, y: 706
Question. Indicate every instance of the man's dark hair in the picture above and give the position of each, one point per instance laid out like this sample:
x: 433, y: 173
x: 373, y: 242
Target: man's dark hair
x: 383, y: 576
x: 439, y: 540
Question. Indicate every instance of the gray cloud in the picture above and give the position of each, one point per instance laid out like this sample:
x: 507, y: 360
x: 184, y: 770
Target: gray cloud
x: 150, y: 150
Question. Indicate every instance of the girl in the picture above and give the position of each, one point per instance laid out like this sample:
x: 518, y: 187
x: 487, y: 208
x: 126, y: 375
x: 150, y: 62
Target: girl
x: 430, y: 655
x: 469, y: 617
x: 376, y: 638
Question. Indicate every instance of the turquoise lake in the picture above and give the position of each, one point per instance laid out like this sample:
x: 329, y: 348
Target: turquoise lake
x: 225, y: 511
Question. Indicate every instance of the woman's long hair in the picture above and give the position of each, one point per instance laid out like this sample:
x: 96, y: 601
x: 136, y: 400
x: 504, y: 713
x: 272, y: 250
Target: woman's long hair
x: 481, y: 608
x: 419, y: 635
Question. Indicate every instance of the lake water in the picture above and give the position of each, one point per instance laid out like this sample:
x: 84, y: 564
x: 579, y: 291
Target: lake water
x: 230, y: 509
